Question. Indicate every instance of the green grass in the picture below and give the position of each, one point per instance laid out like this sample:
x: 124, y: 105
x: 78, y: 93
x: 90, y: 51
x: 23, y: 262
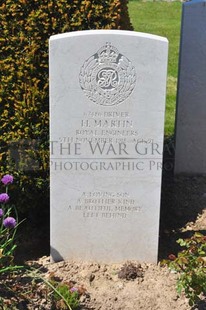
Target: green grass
x: 164, y: 19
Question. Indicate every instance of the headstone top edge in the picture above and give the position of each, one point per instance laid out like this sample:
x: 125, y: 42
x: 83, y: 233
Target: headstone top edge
x: 106, y: 32
x: 193, y: 2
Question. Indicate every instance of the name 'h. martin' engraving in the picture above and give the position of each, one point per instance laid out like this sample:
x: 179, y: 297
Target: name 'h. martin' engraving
x: 107, y: 77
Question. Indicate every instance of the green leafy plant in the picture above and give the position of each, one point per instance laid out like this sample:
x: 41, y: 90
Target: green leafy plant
x: 8, y: 228
x: 64, y: 295
x: 190, y: 264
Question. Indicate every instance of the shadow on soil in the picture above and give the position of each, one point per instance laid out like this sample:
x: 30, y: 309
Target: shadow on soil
x: 183, y: 198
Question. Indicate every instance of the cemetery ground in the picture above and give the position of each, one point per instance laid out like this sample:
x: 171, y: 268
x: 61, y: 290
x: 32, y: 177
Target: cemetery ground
x: 112, y: 286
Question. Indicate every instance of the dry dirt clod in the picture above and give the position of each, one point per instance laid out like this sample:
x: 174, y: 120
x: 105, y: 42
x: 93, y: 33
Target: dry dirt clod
x: 130, y: 272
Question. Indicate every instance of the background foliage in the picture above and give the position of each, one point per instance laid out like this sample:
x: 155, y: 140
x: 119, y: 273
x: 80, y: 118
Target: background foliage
x: 162, y: 18
x: 25, y: 27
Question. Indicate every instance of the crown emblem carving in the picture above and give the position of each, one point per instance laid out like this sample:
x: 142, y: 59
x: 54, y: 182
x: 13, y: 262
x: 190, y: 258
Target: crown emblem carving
x: 107, y: 54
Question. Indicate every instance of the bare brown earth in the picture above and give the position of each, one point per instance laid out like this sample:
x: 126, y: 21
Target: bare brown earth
x: 109, y: 287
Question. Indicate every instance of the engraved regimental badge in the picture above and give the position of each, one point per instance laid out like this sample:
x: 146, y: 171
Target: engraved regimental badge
x: 107, y: 77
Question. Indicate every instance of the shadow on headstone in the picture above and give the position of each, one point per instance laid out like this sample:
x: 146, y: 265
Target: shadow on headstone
x: 55, y: 255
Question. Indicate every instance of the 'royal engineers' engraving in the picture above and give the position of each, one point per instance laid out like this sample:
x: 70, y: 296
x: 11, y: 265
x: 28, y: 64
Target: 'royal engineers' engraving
x: 107, y: 77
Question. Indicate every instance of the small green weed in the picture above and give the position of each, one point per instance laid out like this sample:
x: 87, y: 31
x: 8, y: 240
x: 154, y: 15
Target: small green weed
x: 64, y: 294
x: 190, y: 263
x: 71, y: 298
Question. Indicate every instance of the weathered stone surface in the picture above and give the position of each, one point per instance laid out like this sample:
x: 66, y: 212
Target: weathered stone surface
x: 107, y: 103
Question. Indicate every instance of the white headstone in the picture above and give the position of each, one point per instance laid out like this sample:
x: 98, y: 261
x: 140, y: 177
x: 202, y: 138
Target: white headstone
x: 190, y: 153
x: 107, y: 103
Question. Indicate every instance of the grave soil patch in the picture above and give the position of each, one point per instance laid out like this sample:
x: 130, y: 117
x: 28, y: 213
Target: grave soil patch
x: 126, y: 286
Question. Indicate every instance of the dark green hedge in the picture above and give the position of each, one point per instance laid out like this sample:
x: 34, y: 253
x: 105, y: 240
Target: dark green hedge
x: 25, y: 27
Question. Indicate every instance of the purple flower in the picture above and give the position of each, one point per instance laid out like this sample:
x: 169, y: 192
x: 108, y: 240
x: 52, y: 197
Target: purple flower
x: 9, y: 222
x: 73, y: 289
x: 1, y: 212
x: 4, y: 198
x: 7, y: 179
